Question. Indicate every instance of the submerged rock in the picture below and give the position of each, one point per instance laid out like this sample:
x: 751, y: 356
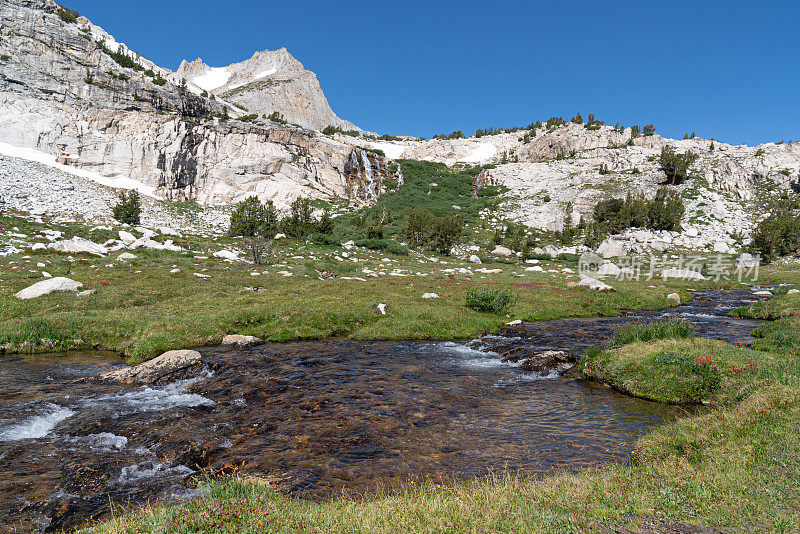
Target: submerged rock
x: 172, y: 365
x: 549, y: 360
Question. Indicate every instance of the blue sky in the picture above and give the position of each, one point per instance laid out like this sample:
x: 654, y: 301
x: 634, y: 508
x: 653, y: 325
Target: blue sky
x: 727, y: 70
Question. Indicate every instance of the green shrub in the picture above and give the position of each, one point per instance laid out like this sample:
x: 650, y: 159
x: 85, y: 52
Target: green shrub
x: 300, y: 222
x: 252, y: 218
x: 776, y: 235
x: 665, y: 211
x: 489, y: 299
x: 424, y: 230
x: 129, y: 208
x: 650, y: 331
x: 611, y: 216
x: 122, y: 59
x: 676, y: 166
x: 68, y: 15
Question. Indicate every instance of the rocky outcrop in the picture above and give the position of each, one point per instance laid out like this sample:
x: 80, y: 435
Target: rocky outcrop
x: 62, y: 94
x: 172, y: 365
x: 268, y: 82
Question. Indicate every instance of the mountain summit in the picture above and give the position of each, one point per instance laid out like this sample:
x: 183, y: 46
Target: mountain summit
x: 268, y: 82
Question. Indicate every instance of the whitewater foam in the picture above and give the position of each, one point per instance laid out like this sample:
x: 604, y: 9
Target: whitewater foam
x: 37, y: 426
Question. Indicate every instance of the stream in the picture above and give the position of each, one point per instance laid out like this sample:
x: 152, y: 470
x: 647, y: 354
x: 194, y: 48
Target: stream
x: 319, y: 418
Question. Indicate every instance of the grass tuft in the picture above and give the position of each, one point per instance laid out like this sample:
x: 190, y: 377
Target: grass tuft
x: 650, y: 331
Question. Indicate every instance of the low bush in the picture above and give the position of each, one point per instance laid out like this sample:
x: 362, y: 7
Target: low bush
x: 489, y: 299
x: 424, y: 230
x: 676, y: 166
x: 252, y: 218
x: 129, y: 208
x: 611, y: 216
x: 68, y: 15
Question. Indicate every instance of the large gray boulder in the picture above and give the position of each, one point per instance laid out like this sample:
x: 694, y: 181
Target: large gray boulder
x: 78, y: 245
x: 683, y: 274
x: 45, y: 287
x: 170, y: 366
x: 611, y: 249
x: 594, y: 285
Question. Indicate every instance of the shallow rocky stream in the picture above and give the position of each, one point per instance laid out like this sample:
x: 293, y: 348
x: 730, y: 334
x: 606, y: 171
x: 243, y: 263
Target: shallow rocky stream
x: 318, y: 418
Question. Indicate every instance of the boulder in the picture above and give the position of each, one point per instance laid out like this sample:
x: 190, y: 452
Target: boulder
x: 227, y: 255
x: 675, y: 297
x: 126, y: 237
x: 240, y: 340
x: 87, y: 293
x: 534, y: 269
x: 763, y: 293
x: 547, y: 361
x: 488, y: 271
x: 78, y: 245
x: 611, y: 249
x: 165, y: 230
x: 515, y: 322
x: 430, y: 296
x: 38, y: 246
x: 608, y: 269
x: 692, y: 232
x: 502, y: 251
x: 170, y: 366
x: 551, y: 251
x: 594, y: 284
x: 147, y: 233
x: 45, y: 287
x: 474, y: 259
x: 721, y: 247
x: 659, y: 245
x: 793, y: 291
x: 683, y: 274
x: 126, y: 256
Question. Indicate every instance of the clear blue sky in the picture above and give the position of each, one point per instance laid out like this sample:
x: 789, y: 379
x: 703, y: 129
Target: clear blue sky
x: 727, y: 69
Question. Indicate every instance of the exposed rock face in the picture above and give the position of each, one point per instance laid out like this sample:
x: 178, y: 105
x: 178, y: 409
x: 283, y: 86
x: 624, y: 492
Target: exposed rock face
x: 61, y: 94
x: 270, y: 81
x: 172, y: 365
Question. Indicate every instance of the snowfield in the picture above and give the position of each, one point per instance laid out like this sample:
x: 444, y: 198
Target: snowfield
x: 213, y: 79
x: 119, y: 181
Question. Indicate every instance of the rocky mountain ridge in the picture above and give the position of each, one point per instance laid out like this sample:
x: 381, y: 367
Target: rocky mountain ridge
x: 563, y: 171
x: 69, y: 89
x: 65, y: 92
x: 268, y: 82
